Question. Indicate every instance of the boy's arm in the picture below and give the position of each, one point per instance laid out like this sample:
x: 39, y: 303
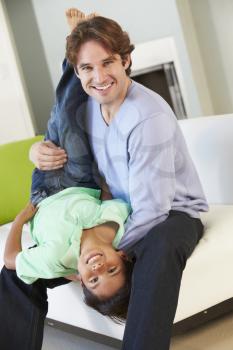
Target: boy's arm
x: 13, y: 244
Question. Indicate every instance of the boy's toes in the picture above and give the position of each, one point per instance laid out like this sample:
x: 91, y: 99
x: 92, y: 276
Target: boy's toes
x: 92, y: 15
x: 74, y: 12
x: 68, y: 14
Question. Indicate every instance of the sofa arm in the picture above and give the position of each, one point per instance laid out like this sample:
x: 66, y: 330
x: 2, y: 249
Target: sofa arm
x: 15, y: 177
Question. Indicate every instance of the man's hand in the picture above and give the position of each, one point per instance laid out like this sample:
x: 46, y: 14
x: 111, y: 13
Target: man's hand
x: 47, y: 156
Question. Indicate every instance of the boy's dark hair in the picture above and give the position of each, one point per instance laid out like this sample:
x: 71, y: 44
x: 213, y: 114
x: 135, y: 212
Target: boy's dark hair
x: 115, y: 307
x: 103, y: 30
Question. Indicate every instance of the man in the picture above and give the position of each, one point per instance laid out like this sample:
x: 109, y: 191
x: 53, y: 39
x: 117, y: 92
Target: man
x: 141, y: 154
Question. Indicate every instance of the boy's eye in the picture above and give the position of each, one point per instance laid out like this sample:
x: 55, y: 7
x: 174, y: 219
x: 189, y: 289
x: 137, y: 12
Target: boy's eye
x: 94, y: 280
x: 112, y: 269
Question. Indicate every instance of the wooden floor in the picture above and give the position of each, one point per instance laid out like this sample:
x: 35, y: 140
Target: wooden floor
x: 215, y: 335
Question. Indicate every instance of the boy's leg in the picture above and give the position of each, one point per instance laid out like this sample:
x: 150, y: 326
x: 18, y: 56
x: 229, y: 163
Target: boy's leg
x: 23, y: 309
x: 160, y: 259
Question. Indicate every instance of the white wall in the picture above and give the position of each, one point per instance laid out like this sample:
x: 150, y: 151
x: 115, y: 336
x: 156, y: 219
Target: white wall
x: 213, y: 20
x: 32, y: 59
x: 15, y: 113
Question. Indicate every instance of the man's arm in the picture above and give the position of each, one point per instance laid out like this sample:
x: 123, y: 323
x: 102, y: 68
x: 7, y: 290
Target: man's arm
x: 151, y: 176
x: 13, y: 244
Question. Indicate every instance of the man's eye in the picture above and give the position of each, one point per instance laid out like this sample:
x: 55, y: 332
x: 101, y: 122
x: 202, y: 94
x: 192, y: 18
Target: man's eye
x: 86, y: 69
x: 107, y: 63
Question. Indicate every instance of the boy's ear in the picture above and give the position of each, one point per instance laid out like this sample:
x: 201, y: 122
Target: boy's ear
x: 75, y: 278
x: 122, y: 254
x: 79, y: 278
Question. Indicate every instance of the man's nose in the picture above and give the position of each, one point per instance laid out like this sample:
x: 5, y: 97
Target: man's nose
x: 99, y: 75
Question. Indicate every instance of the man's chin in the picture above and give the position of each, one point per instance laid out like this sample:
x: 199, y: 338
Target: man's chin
x: 101, y: 99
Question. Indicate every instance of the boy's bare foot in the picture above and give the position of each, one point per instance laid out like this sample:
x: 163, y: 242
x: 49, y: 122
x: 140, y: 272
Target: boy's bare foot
x: 75, y: 16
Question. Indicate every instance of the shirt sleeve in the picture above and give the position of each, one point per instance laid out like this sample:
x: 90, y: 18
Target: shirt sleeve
x: 151, y: 176
x: 40, y: 262
x: 115, y: 210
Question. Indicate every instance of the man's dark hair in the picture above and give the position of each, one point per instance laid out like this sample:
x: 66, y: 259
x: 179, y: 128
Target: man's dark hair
x: 106, y: 32
x: 116, y: 306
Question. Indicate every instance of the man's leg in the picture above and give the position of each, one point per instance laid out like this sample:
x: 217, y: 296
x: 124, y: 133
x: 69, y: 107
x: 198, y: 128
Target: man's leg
x: 23, y: 309
x: 160, y: 259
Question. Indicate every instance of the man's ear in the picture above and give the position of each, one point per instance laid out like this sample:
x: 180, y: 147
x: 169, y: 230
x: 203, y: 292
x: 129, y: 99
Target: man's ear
x: 76, y: 72
x: 126, y: 61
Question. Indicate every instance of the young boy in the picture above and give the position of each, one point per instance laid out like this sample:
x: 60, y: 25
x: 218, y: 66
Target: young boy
x: 74, y: 230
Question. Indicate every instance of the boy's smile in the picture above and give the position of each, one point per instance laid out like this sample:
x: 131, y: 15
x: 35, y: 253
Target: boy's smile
x: 102, y: 270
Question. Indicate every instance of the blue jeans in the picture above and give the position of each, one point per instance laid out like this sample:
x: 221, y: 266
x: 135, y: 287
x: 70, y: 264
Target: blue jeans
x: 66, y: 129
x: 160, y: 259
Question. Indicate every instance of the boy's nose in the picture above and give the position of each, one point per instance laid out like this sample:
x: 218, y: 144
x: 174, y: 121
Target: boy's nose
x: 97, y: 265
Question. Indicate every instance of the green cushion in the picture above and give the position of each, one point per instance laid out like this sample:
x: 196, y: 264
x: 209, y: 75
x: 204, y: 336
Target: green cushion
x: 15, y: 177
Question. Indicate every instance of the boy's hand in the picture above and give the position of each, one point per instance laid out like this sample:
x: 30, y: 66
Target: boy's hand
x: 26, y: 214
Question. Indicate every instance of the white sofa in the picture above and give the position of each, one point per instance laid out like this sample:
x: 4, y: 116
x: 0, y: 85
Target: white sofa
x: 207, y: 279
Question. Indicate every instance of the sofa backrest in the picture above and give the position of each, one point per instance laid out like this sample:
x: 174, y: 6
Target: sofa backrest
x: 209, y: 139
x: 15, y: 177
x: 210, y: 142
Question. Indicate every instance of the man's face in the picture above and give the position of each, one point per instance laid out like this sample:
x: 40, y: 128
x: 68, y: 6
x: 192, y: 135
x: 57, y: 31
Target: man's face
x: 102, y: 73
x: 102, y: 270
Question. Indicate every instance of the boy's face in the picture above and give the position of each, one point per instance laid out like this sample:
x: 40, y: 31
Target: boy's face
x: 102, y: 270
x: 102, y: 73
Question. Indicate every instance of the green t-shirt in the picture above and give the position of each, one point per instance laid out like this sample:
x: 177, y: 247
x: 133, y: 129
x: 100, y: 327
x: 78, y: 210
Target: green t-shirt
x: 57, y: 228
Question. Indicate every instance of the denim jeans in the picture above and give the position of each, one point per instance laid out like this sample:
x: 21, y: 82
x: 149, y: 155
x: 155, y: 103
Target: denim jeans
x: 160, y: 259
x: 66, y: 129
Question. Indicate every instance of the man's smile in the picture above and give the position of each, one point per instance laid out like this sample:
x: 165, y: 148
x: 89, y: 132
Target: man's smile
x: 102, y: 88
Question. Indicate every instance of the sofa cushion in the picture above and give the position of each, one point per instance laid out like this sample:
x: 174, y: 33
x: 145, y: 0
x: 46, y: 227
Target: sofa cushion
x: 207, y: 277
x: 15, y: 177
